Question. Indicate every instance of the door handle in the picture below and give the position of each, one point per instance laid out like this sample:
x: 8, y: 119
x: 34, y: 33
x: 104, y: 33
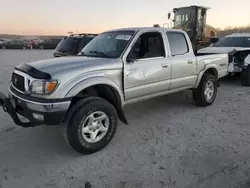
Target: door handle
x: 164, y: 65
x: 190, y: 62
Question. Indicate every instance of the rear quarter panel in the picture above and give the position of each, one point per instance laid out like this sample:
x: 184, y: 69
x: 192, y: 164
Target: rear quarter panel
x: 215, y: 61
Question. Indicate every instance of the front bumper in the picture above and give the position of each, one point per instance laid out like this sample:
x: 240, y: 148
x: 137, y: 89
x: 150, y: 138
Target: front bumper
x: 38, y: 111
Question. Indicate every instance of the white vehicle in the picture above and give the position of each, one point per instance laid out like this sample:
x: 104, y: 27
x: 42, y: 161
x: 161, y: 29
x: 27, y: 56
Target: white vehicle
x: 1, y: 41
x: 237, y: 45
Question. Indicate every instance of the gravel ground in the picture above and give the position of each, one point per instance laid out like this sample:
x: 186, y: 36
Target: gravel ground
x: 170, y: 142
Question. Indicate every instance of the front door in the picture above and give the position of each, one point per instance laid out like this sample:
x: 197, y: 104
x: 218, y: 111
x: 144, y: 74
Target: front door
x: 148, y: 72
x: 13, y: 44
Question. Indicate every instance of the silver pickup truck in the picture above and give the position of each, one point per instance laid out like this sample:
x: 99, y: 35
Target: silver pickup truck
x: 86, y: 93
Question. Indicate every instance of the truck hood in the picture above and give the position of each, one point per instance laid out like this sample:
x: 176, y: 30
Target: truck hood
x: 220, y: 50
x: 53, y: 66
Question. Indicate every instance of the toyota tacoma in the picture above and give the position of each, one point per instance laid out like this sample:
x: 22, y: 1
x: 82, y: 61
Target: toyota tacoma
x: 86, y: 93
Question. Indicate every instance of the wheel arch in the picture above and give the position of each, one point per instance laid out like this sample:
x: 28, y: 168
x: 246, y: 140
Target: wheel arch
x: 210, y: 69
x: 100, y: 87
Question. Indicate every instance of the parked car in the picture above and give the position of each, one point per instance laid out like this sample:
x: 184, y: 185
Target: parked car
x: 34, y: 43
x: 237, y: 46
x: 87, y: 93
x: 73, y: 44
x: 16, y: 44
x: 1, y: 41
x: 49, y: 43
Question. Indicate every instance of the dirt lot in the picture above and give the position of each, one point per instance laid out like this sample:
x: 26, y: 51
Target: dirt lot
x: 169, y: 143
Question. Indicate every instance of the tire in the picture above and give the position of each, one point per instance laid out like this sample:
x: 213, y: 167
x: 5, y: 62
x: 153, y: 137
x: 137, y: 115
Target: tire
x: 24, y: 48
x: 245, y: 77
x: 41, y: 47
x: 84, y: 110
x: 199, y: 95
x: 3, y: 47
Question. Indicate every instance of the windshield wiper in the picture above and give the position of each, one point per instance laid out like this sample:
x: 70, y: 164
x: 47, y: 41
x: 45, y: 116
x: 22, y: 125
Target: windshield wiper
x: 62, y: 50
x: 100, y: 53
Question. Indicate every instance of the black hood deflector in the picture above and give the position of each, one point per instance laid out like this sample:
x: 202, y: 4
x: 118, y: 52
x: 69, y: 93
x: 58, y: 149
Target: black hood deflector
x: 33, y: 72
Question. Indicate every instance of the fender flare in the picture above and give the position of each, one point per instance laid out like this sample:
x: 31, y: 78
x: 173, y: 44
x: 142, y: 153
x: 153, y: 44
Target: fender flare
x: 91, y: 82
x: 84, y: 84
x: 206, y: 67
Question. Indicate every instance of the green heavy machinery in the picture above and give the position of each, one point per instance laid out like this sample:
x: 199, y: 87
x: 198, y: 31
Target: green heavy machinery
x: 192, y: 19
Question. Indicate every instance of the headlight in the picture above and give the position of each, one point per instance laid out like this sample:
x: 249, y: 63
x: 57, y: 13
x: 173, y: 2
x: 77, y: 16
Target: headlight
x: 42, y: 87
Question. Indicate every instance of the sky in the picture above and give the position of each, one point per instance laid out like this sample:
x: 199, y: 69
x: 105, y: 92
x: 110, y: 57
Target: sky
x: 58, y: 17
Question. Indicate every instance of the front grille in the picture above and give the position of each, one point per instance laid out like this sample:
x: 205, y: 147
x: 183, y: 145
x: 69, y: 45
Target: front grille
x: 18, y: 82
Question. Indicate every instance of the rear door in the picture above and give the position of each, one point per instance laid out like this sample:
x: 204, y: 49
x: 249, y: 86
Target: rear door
x: 21, y: 44
x: 53, y: 43
x: 46, y: 43
x: 183, y: 61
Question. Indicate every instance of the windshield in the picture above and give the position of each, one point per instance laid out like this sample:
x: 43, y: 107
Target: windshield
x: 108, y: 44
x: 183, y: 17
x: 243, y: 42
x: 68, y: 44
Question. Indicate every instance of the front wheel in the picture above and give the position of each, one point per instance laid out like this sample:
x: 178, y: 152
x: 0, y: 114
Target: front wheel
x: 206, y: 92
x: 93, y: 125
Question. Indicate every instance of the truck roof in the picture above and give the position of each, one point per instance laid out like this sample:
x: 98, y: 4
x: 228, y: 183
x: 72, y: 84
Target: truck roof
x: 197, y: 6
x: 146, y: 29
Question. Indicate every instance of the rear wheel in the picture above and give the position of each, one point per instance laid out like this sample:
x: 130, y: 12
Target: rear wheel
x: 3, y: 47
x: 24, y: 48
x: 93, y: 125
x: 41, y: 47
x: 206, y: 92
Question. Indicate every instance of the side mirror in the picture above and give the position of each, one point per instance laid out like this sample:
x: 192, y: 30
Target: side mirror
x: 169, y: 15
x: 130, y: 58
x: 214, y: 40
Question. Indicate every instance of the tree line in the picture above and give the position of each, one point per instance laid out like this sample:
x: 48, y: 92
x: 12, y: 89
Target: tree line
x: 231, y: 30
x: 220, y: 33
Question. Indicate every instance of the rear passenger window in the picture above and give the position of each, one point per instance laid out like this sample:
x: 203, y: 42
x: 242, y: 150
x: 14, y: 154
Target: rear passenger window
x: 178, y: 43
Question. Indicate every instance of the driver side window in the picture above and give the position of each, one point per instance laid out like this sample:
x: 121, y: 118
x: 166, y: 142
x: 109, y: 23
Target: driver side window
x: 148, y: 45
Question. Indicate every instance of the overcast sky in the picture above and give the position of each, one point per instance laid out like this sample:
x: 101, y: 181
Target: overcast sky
x: 61, y: 16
